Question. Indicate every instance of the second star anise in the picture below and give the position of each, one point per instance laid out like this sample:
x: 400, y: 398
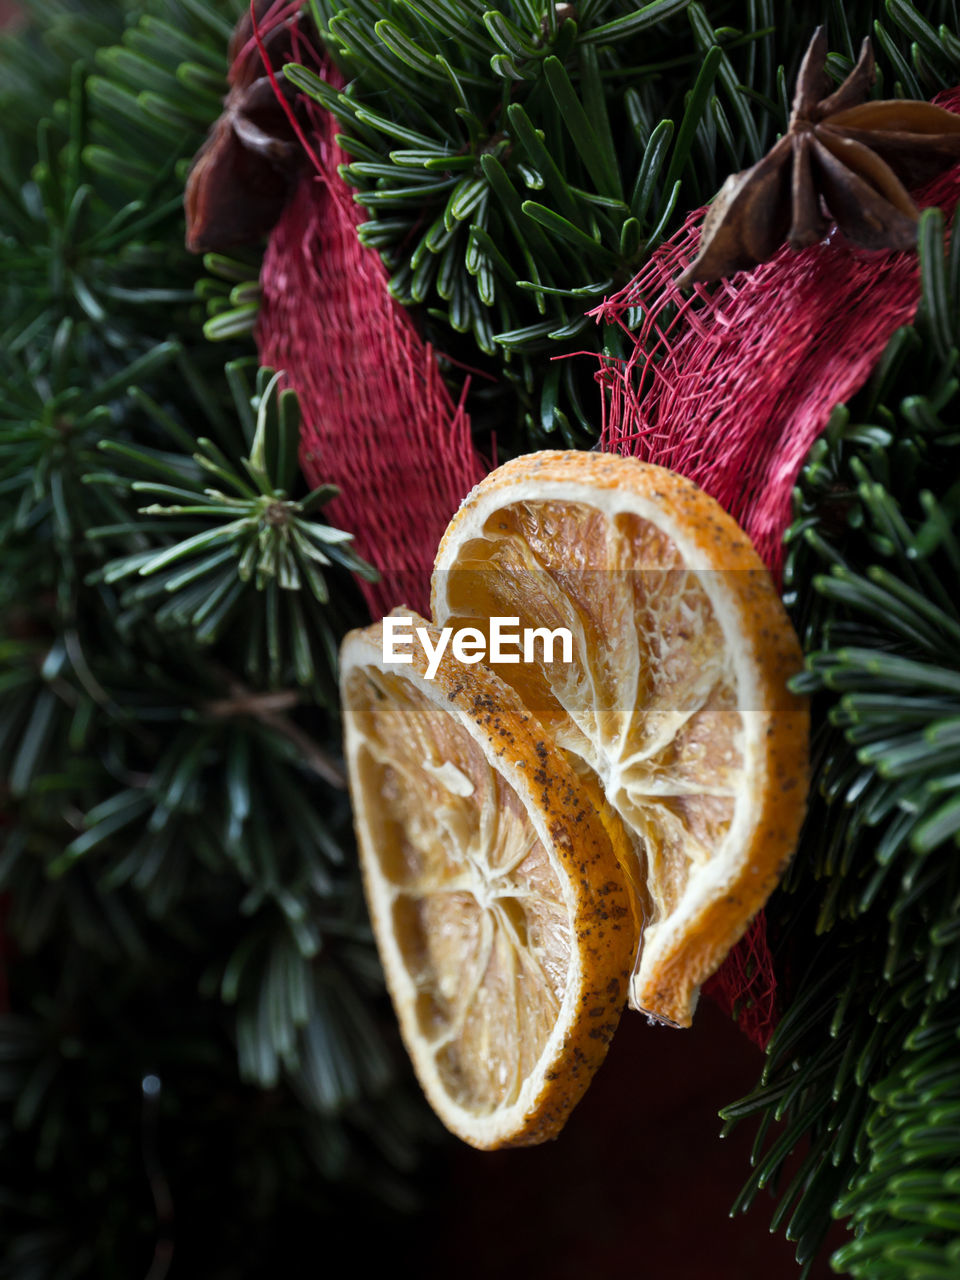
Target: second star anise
x: 843, y: 158
x: 241, y: 177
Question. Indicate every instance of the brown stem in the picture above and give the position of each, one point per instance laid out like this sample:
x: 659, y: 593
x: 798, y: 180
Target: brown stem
x: 269, y: 709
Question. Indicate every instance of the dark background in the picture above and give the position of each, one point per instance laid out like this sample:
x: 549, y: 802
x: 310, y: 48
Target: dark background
x: 639, y: 1183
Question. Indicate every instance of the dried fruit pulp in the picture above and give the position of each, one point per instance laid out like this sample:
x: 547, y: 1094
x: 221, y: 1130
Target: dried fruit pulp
x: 676, y: 696
x: 503, y: 927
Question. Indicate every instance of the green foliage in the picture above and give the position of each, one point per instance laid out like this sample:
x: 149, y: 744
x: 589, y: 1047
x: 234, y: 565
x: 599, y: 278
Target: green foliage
x: 244, y: 547
x: 180, y: 894
x: 231, y: 291
x: 873, y: 897
x: 93, y: 230
x: 516, y: 165
x: 904, y: 1204
x: 124, y: 1130
x: 175, y: 853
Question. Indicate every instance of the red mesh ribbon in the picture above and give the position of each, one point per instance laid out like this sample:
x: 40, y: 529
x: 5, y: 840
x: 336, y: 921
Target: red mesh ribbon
x: 377, y: 418
x: 731, y: 389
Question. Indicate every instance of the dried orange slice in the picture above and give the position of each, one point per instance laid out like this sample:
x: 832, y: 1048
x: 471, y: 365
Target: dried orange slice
x: 503, y: 925
x: 676, y: 696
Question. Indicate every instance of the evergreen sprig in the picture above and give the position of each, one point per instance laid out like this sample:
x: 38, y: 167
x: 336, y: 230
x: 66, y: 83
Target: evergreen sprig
x: 515, y: 168
x: 231, y: 293
x: 244, y: 545
x: 873, y: 896
x: 189, y: 963
x: 193, y: 972
x: 517, y: 164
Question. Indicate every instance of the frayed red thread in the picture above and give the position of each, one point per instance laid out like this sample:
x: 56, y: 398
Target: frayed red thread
x: 279, y: 12
x: 275, y: 14
x: 745, y: 985
x: 378, y: 420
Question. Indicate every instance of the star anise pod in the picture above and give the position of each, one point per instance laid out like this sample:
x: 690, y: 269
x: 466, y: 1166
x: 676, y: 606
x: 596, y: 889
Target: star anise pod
x: 842, y: 158
x: 243, y: 174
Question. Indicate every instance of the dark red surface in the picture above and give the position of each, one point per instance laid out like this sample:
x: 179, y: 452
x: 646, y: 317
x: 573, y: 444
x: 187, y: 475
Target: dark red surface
x: 639, y: 1184
x: 10, y: 13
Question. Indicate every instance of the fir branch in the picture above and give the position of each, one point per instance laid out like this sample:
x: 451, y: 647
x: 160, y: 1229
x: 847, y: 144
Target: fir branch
x: 476, y: 197
x: 872, y: 579
x: 160, y: 814
x: 242, y: 544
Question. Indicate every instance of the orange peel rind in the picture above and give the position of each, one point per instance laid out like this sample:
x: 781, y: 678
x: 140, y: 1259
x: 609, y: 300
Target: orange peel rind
x: 503, y: 924
x: 676, y: 699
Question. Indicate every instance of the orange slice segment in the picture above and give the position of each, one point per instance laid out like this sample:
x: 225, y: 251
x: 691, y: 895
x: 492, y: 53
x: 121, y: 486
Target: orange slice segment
x: 503, y: 926
x: 675, y: 698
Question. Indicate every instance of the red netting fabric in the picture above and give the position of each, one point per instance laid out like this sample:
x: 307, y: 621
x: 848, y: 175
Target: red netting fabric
x: 731, y: 388
x: 378, y: 419
x: 745, y: 985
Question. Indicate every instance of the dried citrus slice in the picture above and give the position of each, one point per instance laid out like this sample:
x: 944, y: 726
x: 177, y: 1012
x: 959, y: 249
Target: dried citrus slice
x: 676, y: 693
x: 503, y: 925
